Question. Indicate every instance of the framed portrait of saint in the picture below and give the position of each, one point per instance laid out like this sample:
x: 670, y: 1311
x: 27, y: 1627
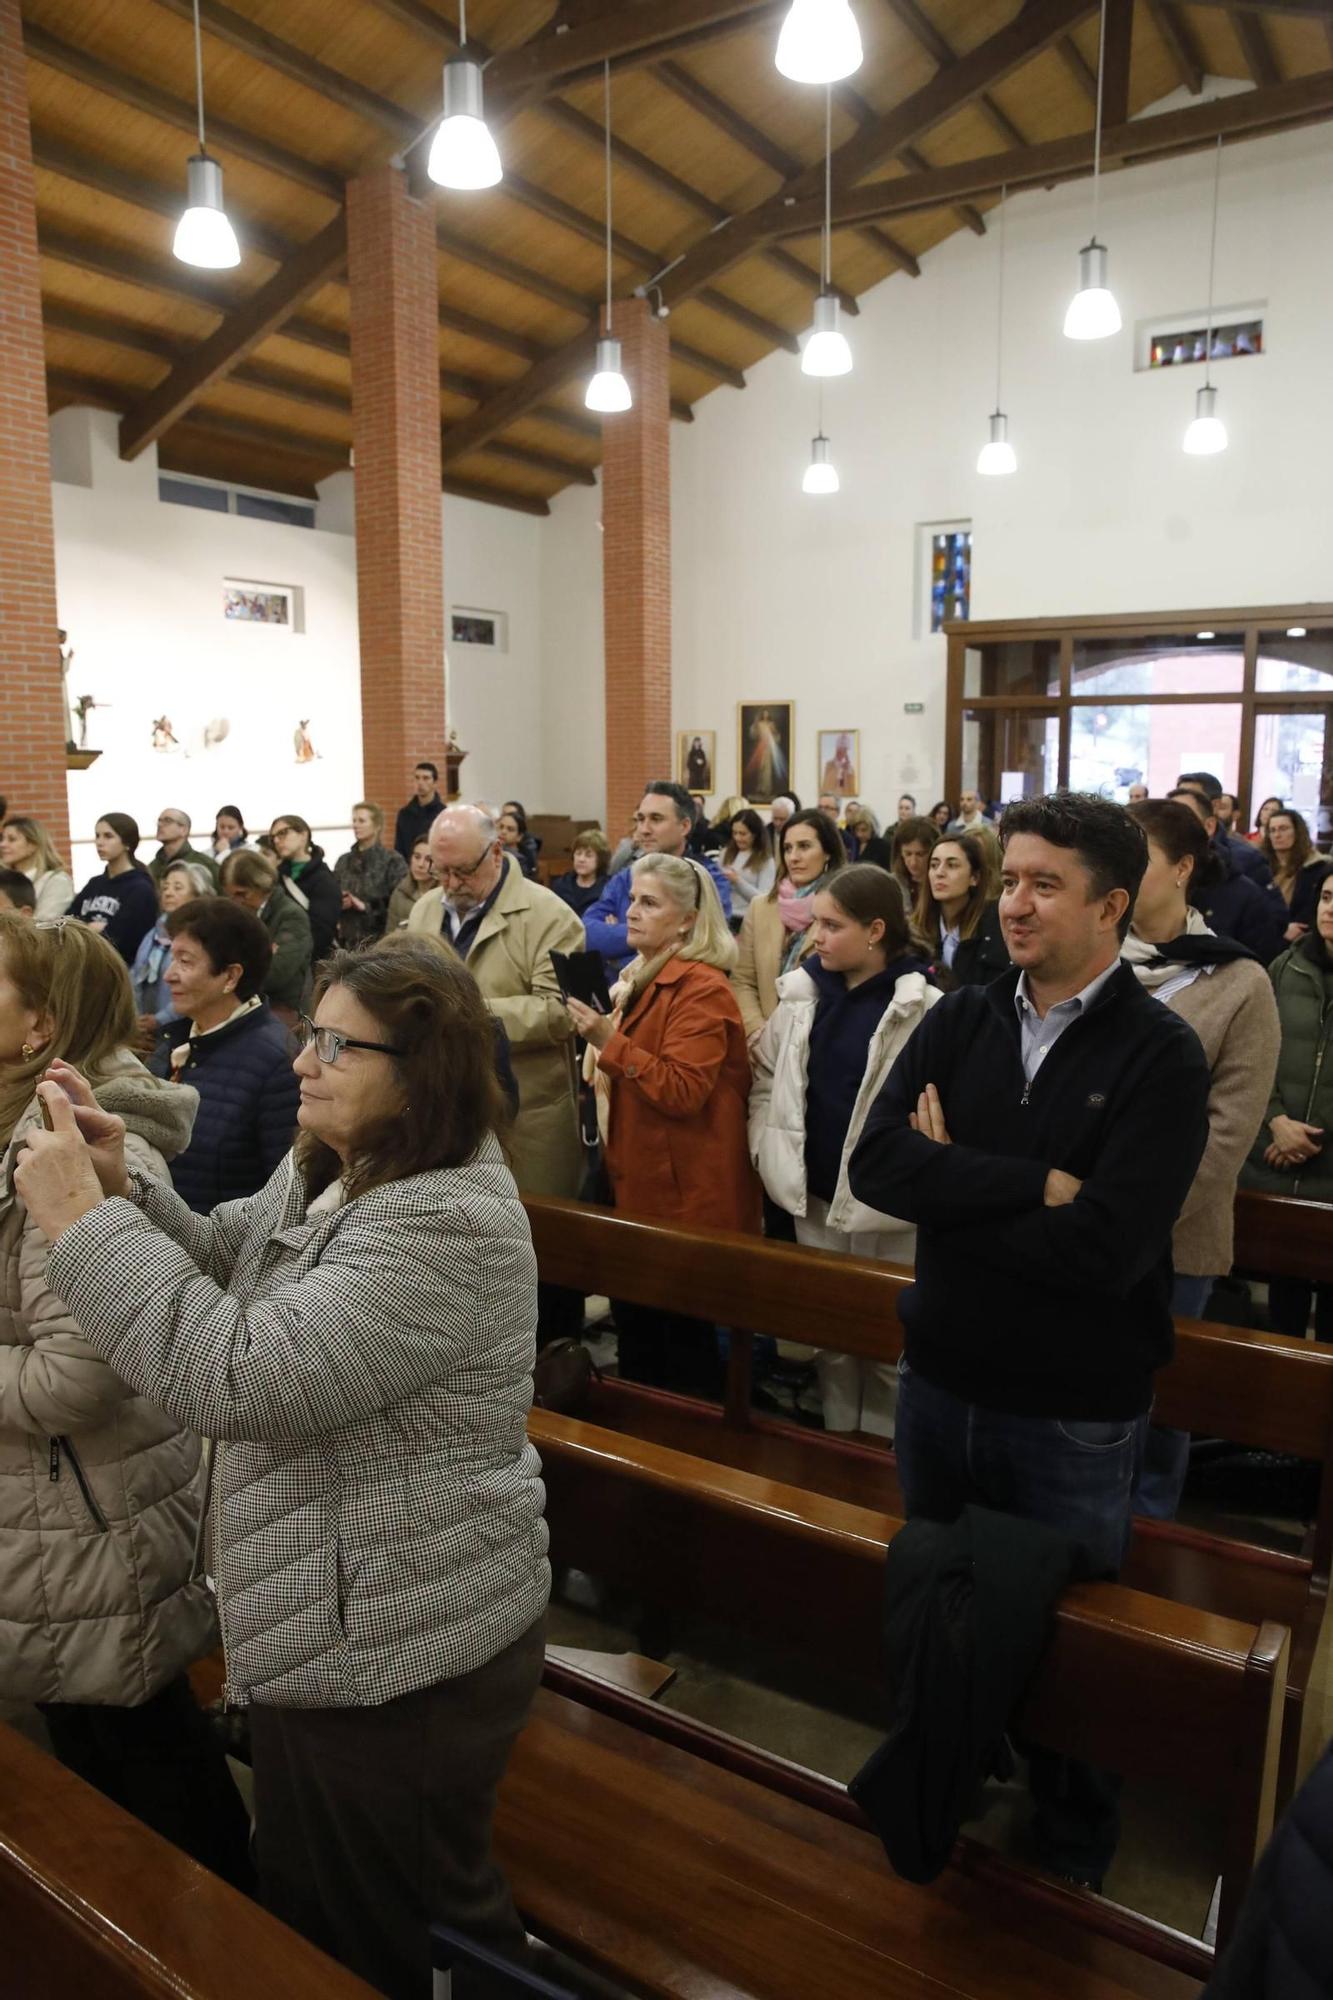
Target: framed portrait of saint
x: 696, y: 759
x: 838, y: 762
x: 764, y: 749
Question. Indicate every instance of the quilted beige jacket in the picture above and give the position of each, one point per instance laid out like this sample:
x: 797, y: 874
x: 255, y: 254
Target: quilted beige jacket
x: 100, y: 1492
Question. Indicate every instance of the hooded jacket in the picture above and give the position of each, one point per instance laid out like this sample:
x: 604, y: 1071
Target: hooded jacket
x: 779, y: 1108
x: 100, y: 1492
x: 1302, y: 981
x: 967, y: 1610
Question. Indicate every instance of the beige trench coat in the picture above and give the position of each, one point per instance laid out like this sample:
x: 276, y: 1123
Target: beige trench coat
x: 510, y: 960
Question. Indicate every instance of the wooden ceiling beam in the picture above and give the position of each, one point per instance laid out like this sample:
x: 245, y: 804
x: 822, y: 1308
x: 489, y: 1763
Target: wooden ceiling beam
x: 1295, y: 10
x: 304, y: 274
x: 115, y: 333
x: 1068, y: 51
x: 46, y: 49
x: 889, y: 246
x: 632, y: 28
x: 856, y: 107
x: 495, y: 496
x: 55, y: 157
x: 707, y: 364
x: 108, y: 262
x: 540, y: 461
x: 519, y: 399
x: 1254, y: 46
x: 928, y: 37
x: 521, y: 276
x: 1179, y: 43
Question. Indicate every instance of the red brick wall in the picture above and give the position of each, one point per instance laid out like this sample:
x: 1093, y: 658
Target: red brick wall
x: 32, y: 753
x: 636, y: 568
x: 396, y: 437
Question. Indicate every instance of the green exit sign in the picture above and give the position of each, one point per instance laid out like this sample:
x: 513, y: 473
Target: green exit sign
x: 914, y: 708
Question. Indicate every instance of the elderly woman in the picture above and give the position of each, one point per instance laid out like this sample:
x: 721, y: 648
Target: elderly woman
x: 181, y: 880
x: 367, y: 876
x: 359, y: 1337
x: 102, y: 1606
x: 672, y: 1077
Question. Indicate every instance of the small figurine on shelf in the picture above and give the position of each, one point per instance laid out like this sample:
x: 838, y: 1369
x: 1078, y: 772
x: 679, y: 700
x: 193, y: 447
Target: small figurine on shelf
x: 83, y: 708
x: 454, y: 753
x: 306, y: 752
x: 164, y: 736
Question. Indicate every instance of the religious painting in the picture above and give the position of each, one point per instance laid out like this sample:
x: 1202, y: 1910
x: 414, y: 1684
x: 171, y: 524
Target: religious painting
x: 696, y: 759
x: 839, y: 762
x: 764, y: 749
x: 256, y: 607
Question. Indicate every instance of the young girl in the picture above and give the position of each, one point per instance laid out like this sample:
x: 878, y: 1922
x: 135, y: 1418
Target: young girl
x: 842, y: 1017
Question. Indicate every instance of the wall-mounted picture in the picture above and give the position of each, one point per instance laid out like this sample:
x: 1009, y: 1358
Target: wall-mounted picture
x: 471, y: 627
x: 839, y: 762
x: 696, y: 759
x: 256, y: 607
x: 764, y: 750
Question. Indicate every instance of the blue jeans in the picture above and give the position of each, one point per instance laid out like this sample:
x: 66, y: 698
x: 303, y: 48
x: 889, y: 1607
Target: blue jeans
x: 1074, y: 1475
x: 1166, y: 1453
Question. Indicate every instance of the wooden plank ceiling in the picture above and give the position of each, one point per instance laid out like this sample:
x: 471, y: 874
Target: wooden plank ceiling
x: 245, y: 375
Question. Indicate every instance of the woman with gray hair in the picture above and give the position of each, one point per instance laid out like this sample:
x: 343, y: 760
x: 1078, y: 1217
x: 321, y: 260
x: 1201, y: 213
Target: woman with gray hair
x: 672, y: 1076
x: 181, y: 880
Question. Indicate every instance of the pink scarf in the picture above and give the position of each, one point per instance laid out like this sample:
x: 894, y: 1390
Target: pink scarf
x: 796, y: 906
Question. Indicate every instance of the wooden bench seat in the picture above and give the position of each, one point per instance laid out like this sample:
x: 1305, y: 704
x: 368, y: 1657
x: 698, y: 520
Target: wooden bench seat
x: 1131, y: 1682
x: 691, y: 1880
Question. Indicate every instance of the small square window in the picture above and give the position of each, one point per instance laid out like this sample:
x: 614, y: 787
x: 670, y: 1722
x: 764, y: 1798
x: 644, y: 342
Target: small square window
x: 188, y: 493
x: 468, y: 627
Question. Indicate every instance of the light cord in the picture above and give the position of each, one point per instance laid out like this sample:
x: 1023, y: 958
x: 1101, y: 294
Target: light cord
x: 828, y: 187
x: 199, y: 74
x: 607, y: 117
x: 462, y: 24
x: 999, y: 308
x: 1212, y: 268
x: 1097, y: 133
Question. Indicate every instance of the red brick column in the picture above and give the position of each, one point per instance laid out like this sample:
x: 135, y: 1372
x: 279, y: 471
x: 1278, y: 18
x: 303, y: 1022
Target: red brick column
x: 32, y: 759
x: 396, y: 437
x: 636, y: 567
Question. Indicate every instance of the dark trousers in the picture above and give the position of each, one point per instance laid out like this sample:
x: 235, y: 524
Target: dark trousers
x: 1289, y: 1307
x: 1075, y: 1476
x: 163, y: 1763
x: 668, y: 1350
x: 373, y: 1823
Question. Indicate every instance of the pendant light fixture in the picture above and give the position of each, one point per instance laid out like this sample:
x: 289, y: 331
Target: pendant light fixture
x: 463, y: 154
x: 1208, y: 434
x: 1093, y: 313
x: 821, y: 475
x: 819, y: 43
x: 608, y: 390
x: 998, y: 455
x: 826, y: 351
x: 204, y: 237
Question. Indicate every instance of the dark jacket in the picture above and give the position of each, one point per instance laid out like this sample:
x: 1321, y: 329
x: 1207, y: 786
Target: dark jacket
x: 122, y: 907
x: 318, y: 894
x: 248, y: 1099
x: 1282, y: 1946
x: 878, y: 851
x: 580, y: 896
x: 846, y: 1018
x: 371, y: 874
x: 288, y: 927
x: 981, y: 957
x: 1234, y: 907
x: 1045, y: 1312
x: 526, y: 855
x: 161, y: 861
x: 967, y: 1609
x: 1305, y: 893
x: 1245, y: 858
x: 414, y: 822
x: 1303, y: 986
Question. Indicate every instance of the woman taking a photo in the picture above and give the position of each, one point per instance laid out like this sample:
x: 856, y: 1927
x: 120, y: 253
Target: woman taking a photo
x: 367, y: 876
x: 1224, y: 994
x: 843, y: 1017
x: 747, y: 862
x: 102, y: 1607
x: 775, y: 934
x: 359, y: 1335
x: 1294, y: 1151
x: 958, y: 911
x: 1298, y: 868
x: 26, y: 845
x: 914, y: 841
x: 121, y: 902
x: 672, y: 1078
x: 418, y: 882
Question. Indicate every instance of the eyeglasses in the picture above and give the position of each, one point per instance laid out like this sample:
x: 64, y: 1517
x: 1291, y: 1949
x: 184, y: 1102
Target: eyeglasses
x: 465, y: 874
x: 329, y: 1044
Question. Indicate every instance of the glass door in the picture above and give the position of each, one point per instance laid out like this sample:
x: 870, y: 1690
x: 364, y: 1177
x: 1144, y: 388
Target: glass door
x: 1293, y: 761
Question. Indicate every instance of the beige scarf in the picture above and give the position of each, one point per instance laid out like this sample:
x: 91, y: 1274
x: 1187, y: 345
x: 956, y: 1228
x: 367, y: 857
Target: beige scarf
x: 633, y: 982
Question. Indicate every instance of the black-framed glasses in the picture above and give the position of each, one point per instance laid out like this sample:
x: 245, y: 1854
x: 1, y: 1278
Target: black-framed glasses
x: 465, y: 874
x: 329, y: 1044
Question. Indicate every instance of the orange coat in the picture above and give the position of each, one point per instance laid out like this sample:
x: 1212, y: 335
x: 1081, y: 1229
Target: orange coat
x: 677, y: 1147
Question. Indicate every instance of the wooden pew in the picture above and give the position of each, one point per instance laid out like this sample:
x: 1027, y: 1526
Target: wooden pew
x: 93, y: 1903
x: 1260, y: 1389
x: 1280, y: 1236
x: 1132, y: 1682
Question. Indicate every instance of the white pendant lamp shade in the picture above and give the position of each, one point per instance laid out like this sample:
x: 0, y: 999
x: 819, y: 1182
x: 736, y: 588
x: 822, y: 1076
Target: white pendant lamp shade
x: 1093, y: 313
x: 826, y: 351
x: 463, y: 154
x: 821, y: 475
x: 204, y: 237
x: 997, y: 456
x: 608, y: 390
x: 820, y: 42
x: 1207, y: 434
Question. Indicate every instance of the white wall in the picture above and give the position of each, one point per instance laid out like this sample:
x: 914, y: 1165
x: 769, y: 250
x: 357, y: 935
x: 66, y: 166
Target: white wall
x: 782, y: 596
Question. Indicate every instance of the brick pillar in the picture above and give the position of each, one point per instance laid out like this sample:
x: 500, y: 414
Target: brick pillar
x: 32, y: 760
x: 396, y: 437
x: 636, y: 567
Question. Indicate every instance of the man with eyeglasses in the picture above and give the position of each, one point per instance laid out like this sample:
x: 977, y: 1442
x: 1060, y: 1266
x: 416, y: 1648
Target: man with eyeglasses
x: 506, y: 927
x: 173, y: 830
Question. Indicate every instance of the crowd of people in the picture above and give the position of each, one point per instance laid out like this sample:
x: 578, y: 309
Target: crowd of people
x: 266, y: 1123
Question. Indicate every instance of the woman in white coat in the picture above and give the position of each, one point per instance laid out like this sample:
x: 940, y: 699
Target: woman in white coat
x: 842, y: 1018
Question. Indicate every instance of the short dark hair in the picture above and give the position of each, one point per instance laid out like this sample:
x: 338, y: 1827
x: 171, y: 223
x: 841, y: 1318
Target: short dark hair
x: 667, y: 788
x: 229, y: 934
x: 1108, y: 843
x: 1211, y: 787
x: 18, y: 888
x: 424, y: 764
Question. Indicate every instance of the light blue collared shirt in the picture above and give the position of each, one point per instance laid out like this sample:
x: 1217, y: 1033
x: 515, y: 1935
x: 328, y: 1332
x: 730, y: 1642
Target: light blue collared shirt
x: 1041, y: 1032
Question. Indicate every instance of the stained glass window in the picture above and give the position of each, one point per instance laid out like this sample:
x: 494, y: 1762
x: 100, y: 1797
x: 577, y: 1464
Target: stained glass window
x: 950, y: 576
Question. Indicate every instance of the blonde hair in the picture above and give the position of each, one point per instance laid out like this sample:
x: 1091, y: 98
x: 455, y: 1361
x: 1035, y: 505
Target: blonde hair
x: 693, y: 891
x: 32, y: 830
x: 249, y: 869
x: 363, y: 806
x: 73, y: 976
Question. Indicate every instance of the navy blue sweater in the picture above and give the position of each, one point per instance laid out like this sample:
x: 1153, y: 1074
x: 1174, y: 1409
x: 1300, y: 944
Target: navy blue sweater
x: 845, y: 1022
x: 248, y: 1099
x: 123, y: 907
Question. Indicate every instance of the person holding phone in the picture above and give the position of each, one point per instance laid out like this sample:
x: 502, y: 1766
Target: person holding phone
x: 672, y: 1079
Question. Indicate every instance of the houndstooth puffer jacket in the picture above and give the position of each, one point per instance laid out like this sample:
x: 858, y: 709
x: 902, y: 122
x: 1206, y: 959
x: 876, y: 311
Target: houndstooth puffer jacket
x: 367, y: 1371
x: 101, y: 1492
